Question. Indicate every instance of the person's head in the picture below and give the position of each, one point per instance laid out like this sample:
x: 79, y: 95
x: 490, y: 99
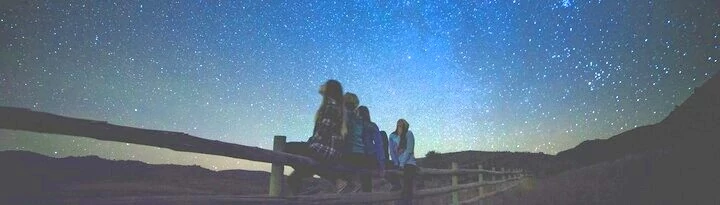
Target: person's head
x: 364, y: 113
x: 351, y: 101
x: 401, y: 130
x: 332, y: 92
x: 402, y: 127
x: 332, y: 89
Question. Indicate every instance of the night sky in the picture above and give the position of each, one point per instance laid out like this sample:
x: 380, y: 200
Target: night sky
x: 537, y: 76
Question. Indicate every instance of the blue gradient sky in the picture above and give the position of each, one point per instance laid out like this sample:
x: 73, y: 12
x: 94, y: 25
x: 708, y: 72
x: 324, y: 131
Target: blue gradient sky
x: 537, y: 76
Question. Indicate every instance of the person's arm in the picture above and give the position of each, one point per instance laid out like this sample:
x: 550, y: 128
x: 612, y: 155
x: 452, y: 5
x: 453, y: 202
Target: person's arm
x: 368, y: 136
x: 393, y: 150
x: 409, y: 149
x: 385, y: 145
x: 411, y: 144
x: 379, y: 153
x: 344, y: 128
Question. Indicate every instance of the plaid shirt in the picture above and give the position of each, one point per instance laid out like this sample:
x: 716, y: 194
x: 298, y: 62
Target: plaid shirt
x: 327, y: 151
x: 326, y: 141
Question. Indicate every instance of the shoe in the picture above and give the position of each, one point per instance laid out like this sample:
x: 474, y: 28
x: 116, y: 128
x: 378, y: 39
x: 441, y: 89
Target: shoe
x: 311, y: 190
x: 349, y: 188
x: 341, y: 186
x: 356, y: 187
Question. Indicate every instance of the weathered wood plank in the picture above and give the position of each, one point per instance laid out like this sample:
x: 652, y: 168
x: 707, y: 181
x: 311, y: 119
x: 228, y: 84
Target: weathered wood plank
x: 235, y: 199
x: 277, y: 169
x: 350, y: 198
x: 27, y: 120
x: 488, y: 194
x: 171, y: 200
x: 448, y: 189
x: 431, y: 171
x: 386, y: 196
x: 481, y: 190
x: 454, y: 183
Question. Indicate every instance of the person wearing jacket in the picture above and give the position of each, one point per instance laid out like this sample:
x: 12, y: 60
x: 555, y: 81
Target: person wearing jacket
x: 353, y: 141
x: 373, y: 146
x: 327, y: 143
x: 363, y: 148
x: 384, y: 138
x: 402, y: 147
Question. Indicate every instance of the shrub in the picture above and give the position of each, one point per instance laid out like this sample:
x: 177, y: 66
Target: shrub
x: 432, y: 155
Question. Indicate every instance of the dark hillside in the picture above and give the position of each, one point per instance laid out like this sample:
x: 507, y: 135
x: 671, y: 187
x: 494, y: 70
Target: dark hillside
x: 695, y: 122
x: 682, y: 175
x: 536, y: 163
x: 675, y: 161
x: 27, y: 175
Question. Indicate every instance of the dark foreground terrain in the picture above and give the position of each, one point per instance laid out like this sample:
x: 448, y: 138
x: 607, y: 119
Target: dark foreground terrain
x: 675, y: 161
x: 681, y: 176
x: 26, y: 175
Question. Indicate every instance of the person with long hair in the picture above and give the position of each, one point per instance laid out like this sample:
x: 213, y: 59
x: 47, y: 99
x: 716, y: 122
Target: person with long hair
x: 330, y: 128
x: 327, y: 143
x: 374, y: 140
x: 402, y: 148
x: 353, y: 137
x: 366, y: 150
x: 384, y: 138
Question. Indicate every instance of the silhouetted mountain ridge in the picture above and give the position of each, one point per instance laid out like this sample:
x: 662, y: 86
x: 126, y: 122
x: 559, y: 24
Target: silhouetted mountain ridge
x: 538, y: 163
x: 694, y: 123
x: 31, y: 175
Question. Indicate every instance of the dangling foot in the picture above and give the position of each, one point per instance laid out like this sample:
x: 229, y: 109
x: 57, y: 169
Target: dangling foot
x: 340, y: 185
x: 356, y: 187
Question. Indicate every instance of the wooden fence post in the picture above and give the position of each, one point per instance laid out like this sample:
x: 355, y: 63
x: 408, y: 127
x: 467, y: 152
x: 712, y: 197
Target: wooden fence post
x: 277, y: 170
x: 481, y: 192
x: 519, y: 173
x: 455, y: 196
x: 502, y: 176
x: 494, y: 178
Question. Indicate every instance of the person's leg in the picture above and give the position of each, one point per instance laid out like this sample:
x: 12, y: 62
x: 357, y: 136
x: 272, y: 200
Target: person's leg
x: 408, y: 179
x: 409, y: 172
x: 366, y: 175
x: 295, y: 179
x: 356, y: 163
x: 343, y: 172
x: 366, y: 182
x: 330, y: 172
x: 394, y: 179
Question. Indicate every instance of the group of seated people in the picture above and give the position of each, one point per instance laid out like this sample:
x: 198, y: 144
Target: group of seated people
x: 344, y: 136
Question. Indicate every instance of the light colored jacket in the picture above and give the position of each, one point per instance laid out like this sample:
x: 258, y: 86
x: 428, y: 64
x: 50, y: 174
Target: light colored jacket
x: 407, y: 156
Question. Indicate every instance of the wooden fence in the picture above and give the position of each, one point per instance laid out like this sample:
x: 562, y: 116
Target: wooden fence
x: 27, y: 120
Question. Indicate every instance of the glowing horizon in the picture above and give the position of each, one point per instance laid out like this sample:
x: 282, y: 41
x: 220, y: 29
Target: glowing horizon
x: 523, y: 76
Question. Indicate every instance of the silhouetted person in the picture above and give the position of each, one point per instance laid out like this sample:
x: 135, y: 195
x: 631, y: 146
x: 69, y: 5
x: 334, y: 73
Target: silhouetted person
x: 402, y: 148
x: 384, y: 136
x: 354, y: 140
x: 366, y: 153
x: 328, y: 140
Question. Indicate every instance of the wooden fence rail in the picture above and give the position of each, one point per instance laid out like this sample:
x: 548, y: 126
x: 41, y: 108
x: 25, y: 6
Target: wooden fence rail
x: 28, y: 120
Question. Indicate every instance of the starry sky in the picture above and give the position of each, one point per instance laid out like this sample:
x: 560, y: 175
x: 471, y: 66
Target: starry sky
x: 507, y: 75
